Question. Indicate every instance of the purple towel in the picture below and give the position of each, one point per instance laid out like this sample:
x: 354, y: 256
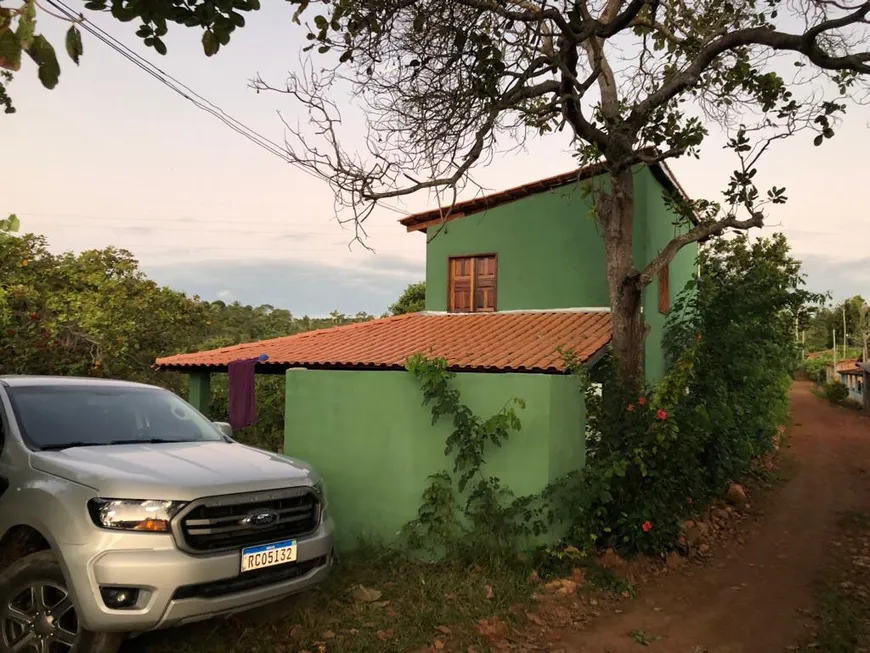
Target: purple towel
x: 240, y: 390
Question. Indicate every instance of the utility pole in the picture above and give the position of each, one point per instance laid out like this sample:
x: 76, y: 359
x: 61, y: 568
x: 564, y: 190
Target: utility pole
x: 845, y: 333
x: 835, y: 355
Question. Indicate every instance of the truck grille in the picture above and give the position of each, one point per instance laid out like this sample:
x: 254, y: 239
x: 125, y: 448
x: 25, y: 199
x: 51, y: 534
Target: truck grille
x: 249, y: 581
x: 217, y: 523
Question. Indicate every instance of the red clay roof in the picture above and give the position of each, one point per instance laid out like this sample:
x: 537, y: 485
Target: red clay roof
x: 425, y: 219
x: 494, y: 342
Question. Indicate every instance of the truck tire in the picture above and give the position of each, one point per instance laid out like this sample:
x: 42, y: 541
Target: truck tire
x: 35, y: 605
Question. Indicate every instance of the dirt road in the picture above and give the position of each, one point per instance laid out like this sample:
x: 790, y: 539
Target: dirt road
x: 750, y: 599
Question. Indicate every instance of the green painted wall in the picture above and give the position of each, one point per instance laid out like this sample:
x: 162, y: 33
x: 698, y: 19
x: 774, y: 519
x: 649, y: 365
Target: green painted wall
x: 658, y: 229
x: 199, y: 391
x: 368, y: 435
x: 551, y: 255
x: 548, y: 246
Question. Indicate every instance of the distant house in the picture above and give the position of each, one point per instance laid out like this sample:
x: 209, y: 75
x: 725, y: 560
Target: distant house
x: 513, y: 280
x: 850, y: 373
x: 865, y: 368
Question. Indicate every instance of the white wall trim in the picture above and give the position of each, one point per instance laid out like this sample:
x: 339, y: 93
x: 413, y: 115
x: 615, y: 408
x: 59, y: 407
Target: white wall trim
x: 585, y: 309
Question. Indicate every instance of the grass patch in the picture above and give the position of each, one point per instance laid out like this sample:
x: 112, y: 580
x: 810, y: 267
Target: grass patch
x: 419, y: 602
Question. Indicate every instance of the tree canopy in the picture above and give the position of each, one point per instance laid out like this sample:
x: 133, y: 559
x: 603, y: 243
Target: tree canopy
x: 96, y: 314
x: 445, y: 85
x: 851, y: 314
x: 412, y: 300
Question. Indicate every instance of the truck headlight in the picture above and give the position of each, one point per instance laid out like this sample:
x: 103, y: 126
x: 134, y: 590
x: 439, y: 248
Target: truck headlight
x: 133, y: 514
x: 320, y: 490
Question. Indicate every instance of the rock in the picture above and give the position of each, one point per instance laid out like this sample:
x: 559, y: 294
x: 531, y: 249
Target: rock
x: 366, y: 595
x: 578, y: 576
x: 736, y: 495
x: 611, y: 560
x: 674, y: 560
x: 568, y: 587
x: 693, y: 536
x: 704, y: 548
x: 722, y: 514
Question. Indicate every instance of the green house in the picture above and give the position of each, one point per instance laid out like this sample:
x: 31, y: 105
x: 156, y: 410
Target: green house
x: 513, y: 280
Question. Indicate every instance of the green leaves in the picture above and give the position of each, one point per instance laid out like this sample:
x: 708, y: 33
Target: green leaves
x: 74, y: 44
x: 42, y: 53
x: 210, y: 44
x: 10, y: 224
x: 10, y: 51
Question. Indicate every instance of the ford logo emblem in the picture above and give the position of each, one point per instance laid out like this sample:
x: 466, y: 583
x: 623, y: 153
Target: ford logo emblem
x: 261, y: 518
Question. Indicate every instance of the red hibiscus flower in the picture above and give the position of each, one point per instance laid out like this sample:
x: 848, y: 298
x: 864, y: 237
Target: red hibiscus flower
x: 660, y: 414
x: 646, y: 527
x: 630, y: 408
x: 642, y: 401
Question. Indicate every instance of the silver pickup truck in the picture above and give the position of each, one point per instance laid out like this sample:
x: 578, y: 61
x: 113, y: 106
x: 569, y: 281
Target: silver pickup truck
x: 123, y: 510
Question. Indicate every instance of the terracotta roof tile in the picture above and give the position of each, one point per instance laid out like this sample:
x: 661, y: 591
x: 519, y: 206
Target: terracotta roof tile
x: 520, y: 342
x: 425, y: 219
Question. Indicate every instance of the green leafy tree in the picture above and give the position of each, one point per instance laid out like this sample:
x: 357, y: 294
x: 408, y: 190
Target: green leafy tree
x: 412, y: 300
x: 658, y: 456
x: 19, y: 34
x: 820, y: 332
x: 446, y: 83
x: 92, y: 314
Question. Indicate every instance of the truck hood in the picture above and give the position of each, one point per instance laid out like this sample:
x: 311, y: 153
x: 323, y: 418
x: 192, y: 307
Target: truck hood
x: 180, y: 471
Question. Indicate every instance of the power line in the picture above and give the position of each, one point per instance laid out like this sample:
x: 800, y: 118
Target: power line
x: 205, y: 105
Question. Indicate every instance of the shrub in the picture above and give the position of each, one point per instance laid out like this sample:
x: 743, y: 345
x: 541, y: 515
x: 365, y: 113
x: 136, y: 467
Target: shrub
x: 836, y: 392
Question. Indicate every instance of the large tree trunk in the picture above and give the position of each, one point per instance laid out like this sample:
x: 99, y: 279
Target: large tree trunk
x: 629, y: 330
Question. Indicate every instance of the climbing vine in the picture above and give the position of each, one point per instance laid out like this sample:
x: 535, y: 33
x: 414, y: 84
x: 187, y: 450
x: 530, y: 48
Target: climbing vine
x: 463, y: 506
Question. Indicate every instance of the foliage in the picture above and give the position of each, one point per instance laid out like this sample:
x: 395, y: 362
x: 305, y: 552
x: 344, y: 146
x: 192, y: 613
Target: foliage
x: 816, y: 368
x: 96, y: 314
x: 820, y: 330
x: 18, y: 35
x: 444, y: 84
x: 836, y: 392
x: 412, y: 300
x: 657, y: 455
x: 84, y: 314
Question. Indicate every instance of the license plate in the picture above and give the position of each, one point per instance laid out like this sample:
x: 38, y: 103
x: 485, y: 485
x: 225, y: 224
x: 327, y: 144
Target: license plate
x: 268, y: 555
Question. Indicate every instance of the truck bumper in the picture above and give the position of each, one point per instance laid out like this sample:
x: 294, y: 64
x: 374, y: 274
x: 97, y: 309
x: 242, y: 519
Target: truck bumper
x: 176, y: 588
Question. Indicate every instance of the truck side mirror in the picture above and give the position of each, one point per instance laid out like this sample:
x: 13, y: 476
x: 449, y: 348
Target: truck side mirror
x: 224, y: 428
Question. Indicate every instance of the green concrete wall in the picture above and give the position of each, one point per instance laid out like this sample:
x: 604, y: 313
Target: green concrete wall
x: 549, y: 252
x: 368, y: 434
x: 551, y: 255
x: 199, y: 391
x: 657, y: 231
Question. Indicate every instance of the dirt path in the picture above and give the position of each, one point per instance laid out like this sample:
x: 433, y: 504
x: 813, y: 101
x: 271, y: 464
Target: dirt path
x: 750, y: 599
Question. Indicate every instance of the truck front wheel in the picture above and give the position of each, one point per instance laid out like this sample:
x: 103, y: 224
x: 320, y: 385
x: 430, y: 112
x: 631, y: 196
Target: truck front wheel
x: 37, y: 614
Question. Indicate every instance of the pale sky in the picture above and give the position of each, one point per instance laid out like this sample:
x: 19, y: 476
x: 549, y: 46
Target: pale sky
x: 113, y: 157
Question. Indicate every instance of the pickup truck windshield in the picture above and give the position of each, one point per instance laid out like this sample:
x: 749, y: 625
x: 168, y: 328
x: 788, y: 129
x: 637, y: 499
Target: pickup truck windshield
x: 57, y: 417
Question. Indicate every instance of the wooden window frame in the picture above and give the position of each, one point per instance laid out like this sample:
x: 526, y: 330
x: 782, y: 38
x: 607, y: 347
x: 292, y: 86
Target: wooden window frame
x: 450, y: 259
x: 664, y: 289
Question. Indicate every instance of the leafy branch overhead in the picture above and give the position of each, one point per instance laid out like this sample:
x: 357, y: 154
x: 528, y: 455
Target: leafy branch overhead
x: 18, y: 36
x: 444, y: 85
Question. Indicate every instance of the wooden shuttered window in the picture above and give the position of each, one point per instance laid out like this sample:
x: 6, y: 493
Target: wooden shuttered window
x: 664, y: 289
x: 472, y: 284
